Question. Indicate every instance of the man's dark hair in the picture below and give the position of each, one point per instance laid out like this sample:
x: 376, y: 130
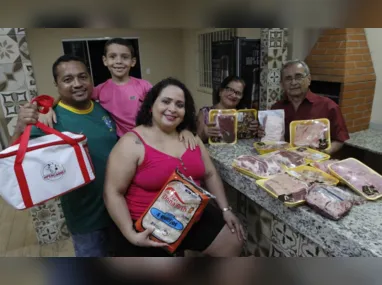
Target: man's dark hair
x: 122, y: 42
x: 65, y: 58
x: 224, y: 84
x: 145, y: 116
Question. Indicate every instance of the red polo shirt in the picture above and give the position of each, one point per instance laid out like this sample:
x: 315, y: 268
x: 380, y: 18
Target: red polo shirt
x: 315, y: 107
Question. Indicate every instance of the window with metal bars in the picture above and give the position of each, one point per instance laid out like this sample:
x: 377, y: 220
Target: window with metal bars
x: 205, y: 41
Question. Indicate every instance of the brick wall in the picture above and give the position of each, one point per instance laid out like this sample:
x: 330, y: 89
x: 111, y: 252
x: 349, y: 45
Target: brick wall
x: 343, y: 55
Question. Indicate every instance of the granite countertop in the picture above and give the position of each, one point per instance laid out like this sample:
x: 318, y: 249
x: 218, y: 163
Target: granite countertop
x: 357, y: 234
x: 370, y: 140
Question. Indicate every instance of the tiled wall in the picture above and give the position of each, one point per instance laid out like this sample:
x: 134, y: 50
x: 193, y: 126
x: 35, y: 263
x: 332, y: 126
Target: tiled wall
x: 274, y: 52
x: 17, y: 82
x: 17, y: 87
x: 267, y: 236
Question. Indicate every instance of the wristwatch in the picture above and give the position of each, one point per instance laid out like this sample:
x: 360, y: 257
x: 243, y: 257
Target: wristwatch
x: 229, y: 208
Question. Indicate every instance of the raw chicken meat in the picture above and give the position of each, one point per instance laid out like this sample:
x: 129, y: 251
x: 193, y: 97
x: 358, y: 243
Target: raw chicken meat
x: 284, y: 184
x: 274, y: 125
x: 261, y: 167
x: 311, y: 135
x: 329, y: 201
x: 359, y: 176
x: 323, y: 165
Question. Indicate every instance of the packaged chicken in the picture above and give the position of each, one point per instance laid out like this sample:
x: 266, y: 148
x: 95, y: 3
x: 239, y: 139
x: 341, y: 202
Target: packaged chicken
x: 310, y: 133
x: 311, y: 175
x: 256, y: 166
x: 245, y: 117
x: 176, y: 208
x: 286, y: 188
x: 358, y: 177
x: 329, y: 201
x: 323, y: 165
x: 273, y: 123
x: 310, y: 155
x: 226, y: 121
x: 267, y: 147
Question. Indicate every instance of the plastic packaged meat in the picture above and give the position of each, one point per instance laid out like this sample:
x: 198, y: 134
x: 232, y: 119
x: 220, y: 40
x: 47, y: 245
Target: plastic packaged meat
x: 310, y: 155
x: 286, y: 188
x: 256, y: 166
x: 226, y: 120
x: 286, y: 157
x: 176, y: 208
x: 273, y: 122
x: 311, y: 175
x: 267, y: 147
x: 311, y: 133
x: 359, y: 177
x: 244, y: 120
x: 323, y: 165
x: 330, y: 201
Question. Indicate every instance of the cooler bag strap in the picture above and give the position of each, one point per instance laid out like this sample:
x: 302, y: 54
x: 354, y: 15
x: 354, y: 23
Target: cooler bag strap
x: 19, y: 171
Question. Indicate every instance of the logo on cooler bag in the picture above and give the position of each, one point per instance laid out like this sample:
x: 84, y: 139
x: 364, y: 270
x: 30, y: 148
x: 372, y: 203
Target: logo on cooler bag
x: 52, y: 171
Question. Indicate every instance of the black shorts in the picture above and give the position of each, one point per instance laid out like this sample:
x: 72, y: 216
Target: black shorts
x: 199, y: 238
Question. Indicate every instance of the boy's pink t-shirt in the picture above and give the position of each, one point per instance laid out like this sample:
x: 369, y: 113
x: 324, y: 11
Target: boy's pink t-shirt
x: 122, y: 101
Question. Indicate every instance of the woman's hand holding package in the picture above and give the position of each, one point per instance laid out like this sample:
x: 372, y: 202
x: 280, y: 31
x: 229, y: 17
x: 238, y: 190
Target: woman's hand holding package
x: 211, y: 130
x: 254, y: 126
x: 143, y: 239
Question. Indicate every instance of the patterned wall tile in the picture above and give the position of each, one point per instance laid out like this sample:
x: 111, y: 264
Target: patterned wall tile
x: 277, y: 252
x: 275, y: 58
x: 273, y: 95
x: 241, y: 204
x: 263, y: 247
x: 7, y: 31
x: 9, y: 50
x: 23, y: 47
x: 274, y: 77
x: 285, y: 239
x: 30, y: 79
x: 20, y: 31
x: 310, y: 249
x: 32, y: 92
x: 12, y: 77
x: 12, y: 125
x: 276, y: 38
x: 263, y: 98
x: 264, y: 77
x: 11, y: 102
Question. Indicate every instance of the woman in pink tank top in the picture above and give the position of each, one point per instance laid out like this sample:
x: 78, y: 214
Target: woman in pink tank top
x: 140, y: 165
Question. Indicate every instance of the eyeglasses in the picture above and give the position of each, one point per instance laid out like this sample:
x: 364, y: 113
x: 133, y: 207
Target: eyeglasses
x: 230, y: 90
x: 298, y: 78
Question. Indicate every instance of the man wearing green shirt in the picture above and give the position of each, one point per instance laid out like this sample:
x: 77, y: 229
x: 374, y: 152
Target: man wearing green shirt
x: 84, y: 209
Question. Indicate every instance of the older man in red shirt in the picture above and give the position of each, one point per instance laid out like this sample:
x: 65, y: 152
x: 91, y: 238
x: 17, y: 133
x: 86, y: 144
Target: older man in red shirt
x: 300, y: 103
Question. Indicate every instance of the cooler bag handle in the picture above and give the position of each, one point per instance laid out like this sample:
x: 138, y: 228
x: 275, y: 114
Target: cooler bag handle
x: 19, y: 171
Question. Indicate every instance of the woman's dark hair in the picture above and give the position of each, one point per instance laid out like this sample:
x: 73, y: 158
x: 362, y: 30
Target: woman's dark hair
x: 122, y: 42
x: 145, y: 116
x: 225, y: 83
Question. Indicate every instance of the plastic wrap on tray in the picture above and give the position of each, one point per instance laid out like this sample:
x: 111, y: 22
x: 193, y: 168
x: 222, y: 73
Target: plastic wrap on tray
x: 330, y: 201
x: 310, y: 155
x: 256, y: 166
x: 286, y: 158
x: 323, y: 165
x: 359, y: 177
x: 311, y: 133
x: 286, y: 188
x: 244, y: 119
x: 267, y: 147
x: 273, y: 122
x: 226, y: 121
x: 311, y: 175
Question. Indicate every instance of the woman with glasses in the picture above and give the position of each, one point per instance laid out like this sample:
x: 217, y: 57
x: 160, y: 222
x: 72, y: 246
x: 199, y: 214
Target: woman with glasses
x: 230, y: 95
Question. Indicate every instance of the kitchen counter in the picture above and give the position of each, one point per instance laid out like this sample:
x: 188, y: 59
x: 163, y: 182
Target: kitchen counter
x: 357, y: 234
x: 370, y: 140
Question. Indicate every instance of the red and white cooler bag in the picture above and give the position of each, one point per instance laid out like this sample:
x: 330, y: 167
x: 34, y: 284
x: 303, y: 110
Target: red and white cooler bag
x: 37, y: 170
